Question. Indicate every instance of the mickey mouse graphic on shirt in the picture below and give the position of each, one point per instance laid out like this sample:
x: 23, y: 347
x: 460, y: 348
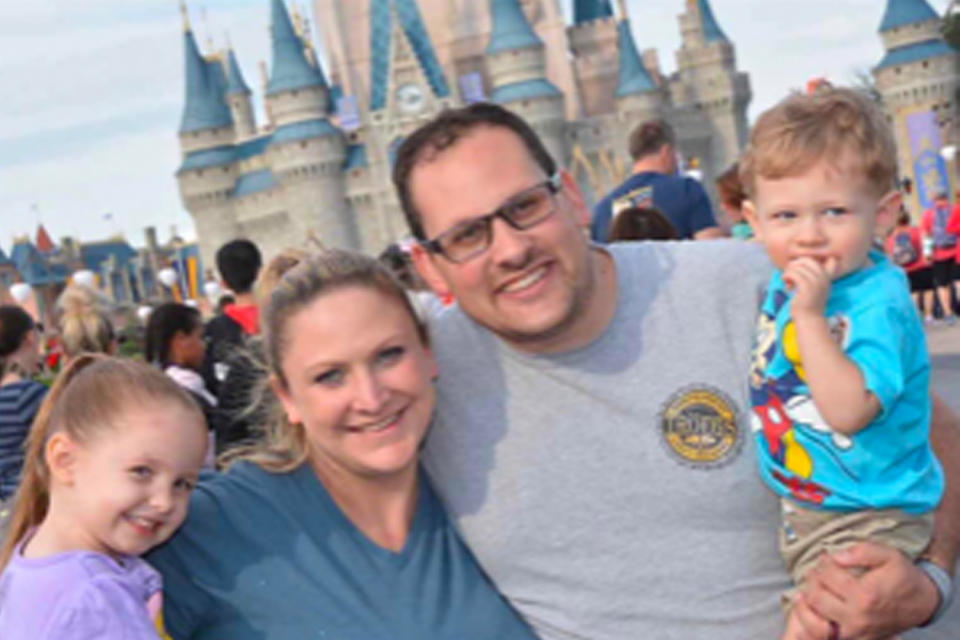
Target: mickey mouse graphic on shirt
x: 784, y: 414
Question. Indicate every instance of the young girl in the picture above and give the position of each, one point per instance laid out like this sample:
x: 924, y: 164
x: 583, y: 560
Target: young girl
x: 111, y: 460
x: 174, y: 343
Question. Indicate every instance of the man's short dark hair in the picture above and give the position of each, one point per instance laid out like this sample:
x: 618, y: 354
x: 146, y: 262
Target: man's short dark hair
x: 443, y: 132
x: 238, y: 262
x: 649, y: 137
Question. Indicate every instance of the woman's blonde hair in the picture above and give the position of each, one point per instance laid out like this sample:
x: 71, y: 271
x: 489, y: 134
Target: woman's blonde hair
x: 289, y: 283
x: 90, y: 395
x: 84, y: 321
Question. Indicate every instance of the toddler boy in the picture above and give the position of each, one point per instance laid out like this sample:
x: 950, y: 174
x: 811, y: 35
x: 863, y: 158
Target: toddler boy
x: 840, y: 375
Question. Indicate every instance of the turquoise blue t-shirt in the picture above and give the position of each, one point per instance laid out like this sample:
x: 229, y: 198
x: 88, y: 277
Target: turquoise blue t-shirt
x: 270, y: 556
x: 887, y: 464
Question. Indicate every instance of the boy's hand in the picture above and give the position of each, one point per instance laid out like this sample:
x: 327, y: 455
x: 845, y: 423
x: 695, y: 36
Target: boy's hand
x: 809, y: 279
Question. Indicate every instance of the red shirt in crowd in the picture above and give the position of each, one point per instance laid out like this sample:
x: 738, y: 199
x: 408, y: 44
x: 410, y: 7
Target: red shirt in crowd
x: 916, y: 243
x: 953, y: 226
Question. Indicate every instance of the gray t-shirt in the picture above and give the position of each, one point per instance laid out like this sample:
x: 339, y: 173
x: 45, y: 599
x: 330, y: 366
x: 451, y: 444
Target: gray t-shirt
x: 610, y: 492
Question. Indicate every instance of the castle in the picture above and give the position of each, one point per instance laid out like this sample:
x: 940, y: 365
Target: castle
x: 319, y: 168
x: 919, y: 74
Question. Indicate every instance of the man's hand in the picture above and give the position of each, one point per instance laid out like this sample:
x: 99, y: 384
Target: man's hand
x: 810, y: 281
x: 891, y: 596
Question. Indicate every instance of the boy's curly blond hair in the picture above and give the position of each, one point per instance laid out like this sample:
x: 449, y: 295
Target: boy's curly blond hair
x: 841, y: 125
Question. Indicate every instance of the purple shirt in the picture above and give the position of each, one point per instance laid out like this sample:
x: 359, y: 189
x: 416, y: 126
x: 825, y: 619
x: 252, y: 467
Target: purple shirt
x: 78, y: 595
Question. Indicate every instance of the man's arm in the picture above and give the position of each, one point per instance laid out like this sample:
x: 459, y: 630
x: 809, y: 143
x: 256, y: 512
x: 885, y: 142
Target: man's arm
x: 893, y: 595
x: 945, y: 438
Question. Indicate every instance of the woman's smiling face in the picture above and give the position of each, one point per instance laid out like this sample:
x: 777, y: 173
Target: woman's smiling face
x: 359, y: 378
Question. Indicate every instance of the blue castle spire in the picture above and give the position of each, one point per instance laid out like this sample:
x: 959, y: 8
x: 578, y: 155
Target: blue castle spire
x: 590, y: 10
x: 903, y: 12
x: 235, y: 82
x: 204, y: 106
x: 711, y: 29
x: 510, y: 28
x: 291, y: 70
x: 381, y: 34
x: 633, y: 77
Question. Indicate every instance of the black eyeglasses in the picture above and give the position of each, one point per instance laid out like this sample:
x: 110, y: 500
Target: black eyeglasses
x: 472, y: 237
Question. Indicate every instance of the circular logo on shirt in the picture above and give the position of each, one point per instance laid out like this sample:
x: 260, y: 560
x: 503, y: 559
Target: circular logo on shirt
x: 700, y: 427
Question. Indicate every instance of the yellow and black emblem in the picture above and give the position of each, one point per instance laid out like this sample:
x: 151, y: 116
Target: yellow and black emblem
x: 701, y: 427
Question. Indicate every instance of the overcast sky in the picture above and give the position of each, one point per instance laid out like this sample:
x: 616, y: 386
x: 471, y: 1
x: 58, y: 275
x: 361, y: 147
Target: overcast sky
x: 94, y: 89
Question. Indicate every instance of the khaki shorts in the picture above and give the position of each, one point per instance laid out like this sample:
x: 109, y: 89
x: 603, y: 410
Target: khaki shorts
x: 806, y: 533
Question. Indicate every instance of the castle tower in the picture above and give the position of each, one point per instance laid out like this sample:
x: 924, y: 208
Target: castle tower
x: 708, y: 91
x: 593, y: 43
x: 638, y: 97
x: 516, y: 65
x: 206, y: 174
x: 238, y: 97
x: 918, y: 72
x: 305, y: 153
x: 407, y: 88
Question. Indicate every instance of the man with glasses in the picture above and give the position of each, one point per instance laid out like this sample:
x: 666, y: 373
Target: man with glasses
x: 592, y: 411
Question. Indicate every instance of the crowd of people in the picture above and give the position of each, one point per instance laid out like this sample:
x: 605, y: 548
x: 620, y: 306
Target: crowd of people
x: 507, y: 430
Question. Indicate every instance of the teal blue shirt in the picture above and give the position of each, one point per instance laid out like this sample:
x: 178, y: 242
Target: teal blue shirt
x: 271, y: 557
x: 887, y: 464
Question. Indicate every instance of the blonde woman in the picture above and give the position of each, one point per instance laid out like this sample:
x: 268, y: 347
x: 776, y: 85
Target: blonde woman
x: 328, y: 527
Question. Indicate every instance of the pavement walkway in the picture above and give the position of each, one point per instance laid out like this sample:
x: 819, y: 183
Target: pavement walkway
x: 944, y: 345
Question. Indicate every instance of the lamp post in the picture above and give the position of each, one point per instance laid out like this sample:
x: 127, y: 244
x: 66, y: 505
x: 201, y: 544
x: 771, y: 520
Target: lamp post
x: 168, y: 278
x: 949, y: 155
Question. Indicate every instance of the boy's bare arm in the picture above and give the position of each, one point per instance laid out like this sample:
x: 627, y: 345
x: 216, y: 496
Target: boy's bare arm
x: 836, y: 383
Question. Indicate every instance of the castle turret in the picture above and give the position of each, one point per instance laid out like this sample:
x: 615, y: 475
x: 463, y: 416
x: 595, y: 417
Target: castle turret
x: 305, y: 154
x: 407, y: 88
x: 206, y: 174
x: 593, y: 42
x: 517, y: 68
x: 638, y: 97
x: 709, y: 93
x: 297, y: 90
x: 238, y: 97
x: 918, y: 72
x: 918, y: 69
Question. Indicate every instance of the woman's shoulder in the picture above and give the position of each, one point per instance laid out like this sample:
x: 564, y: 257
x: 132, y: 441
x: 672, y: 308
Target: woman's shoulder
x: 244, y: 495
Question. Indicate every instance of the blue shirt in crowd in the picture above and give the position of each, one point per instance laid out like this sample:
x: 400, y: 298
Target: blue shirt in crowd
x: 19, y: 403
x: 681, y: 199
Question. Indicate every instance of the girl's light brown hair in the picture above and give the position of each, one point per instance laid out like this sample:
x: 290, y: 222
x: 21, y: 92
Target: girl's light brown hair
x: 89, y: 396
x: 291, y: 282
x: 842, y: 126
